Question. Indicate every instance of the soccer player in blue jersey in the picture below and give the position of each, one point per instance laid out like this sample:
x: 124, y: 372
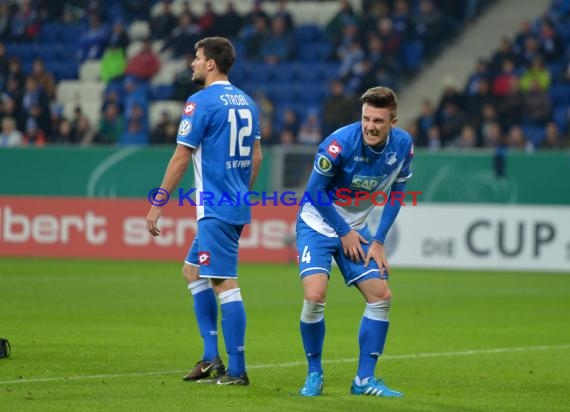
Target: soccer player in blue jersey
x: 352, y: 163
x: 219, y: 130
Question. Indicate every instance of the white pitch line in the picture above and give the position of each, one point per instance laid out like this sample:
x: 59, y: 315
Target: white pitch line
x: 292, y: 364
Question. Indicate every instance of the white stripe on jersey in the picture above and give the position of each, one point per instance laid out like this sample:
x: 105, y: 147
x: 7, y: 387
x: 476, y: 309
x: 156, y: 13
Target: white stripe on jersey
x: 198, y: 182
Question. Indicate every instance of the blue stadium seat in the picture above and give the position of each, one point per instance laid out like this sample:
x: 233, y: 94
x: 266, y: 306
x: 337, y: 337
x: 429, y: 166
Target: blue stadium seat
x: 282, y: 72
x: 66, y: 71
x: 561, y: 117
x: 281, y: 93
x: 70, y: 34
x: 307, y: 33
x: 535, y: 134
x: 162, y: 92
x: 411, y: 55
x: 67, y: 52
x: 560, y: 94
x: 49, y: 33
x: 46, y: 52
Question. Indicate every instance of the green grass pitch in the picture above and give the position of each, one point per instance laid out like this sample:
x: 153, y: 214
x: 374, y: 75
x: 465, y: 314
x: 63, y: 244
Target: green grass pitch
x: 119, y: 335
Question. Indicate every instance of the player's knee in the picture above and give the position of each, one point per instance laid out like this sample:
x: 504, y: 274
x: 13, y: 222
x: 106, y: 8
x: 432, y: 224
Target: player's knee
x: 190, y: 273
x: 312, y: 312
x: 315, y: 296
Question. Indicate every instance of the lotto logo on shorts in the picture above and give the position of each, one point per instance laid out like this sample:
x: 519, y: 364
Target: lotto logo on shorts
x: 204, y: 258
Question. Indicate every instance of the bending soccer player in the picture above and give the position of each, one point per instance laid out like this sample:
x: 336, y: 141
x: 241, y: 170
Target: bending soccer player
x: 362, y: 158
x: 219, y: 130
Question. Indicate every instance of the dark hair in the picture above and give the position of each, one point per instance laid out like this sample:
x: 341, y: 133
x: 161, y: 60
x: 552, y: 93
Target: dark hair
x: 381, y: 97
x: 219, y: 49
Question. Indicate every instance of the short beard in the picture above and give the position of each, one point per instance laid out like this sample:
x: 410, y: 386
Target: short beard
x: 198, y: 80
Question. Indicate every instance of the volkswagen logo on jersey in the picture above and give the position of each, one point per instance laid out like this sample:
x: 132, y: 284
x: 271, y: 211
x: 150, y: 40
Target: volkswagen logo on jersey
x: 184, y: 128
x: 204, y: 258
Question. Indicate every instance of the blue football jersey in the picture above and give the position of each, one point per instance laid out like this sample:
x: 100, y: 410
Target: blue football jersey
x: 352, y: 166
x: 221, y: 123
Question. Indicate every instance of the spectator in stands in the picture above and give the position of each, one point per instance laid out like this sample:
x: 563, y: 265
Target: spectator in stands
x: 492, y: 135
x: 424, y: 122
x: 536, y: 73
x: 5, y: 21
x: 266, y: 115
x: 284, y: 14
x: 310, y: 129
x: 35, y: 103
x: 10, y: 136
x: 34, y: 136
x: 44, y: 79
x: 451, y: 122
x: 137, y: 9
x: 181, y: 40
x: 183, y: 84
x: 372, y: 13
x: 165, y: 130
x: 516, y: 139
x: 525, y: 31
x: 4, y: 65
x: 481, y: 73
x: 550, y: 42
x: 111, y: 126
x: 92, y: 43
x: 81, y: 127
x: 530, y: 51
x: 230, y: 22
x: 552, y: 138
x: 119, y: 37
x: 16, y: 73
x: 279, y: 45
x: 256, y: 12
x: 161, y: 24
x: 253, y: 37
x: 134, y: 135
x: 510, y: 104
x: 429, y: 26
x: 289, y: 127
x: 379, y: 59
x: 505, y: 52
x: 24, y: 25
x: 475, y: 103
x: 434, y: 138
x: 145, y: 64
x: 402, y: 18
x: 64, y: 134
x: 391, y: 39
x: 467, y: 138
x: 506, y: 80
x: 113, y: 64
x: 338, y: 108
x: 334, y: 29
x: 209, y: 21
x: 350, y: 52
x: 536, y: 105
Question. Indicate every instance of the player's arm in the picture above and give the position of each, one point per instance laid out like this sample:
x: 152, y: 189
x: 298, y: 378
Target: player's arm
x: 174, y: 173
x: 351, y: 240
x: 256, y: 162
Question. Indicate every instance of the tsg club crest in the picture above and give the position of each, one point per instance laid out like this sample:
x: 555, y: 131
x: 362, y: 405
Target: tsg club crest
x: 391, y: 158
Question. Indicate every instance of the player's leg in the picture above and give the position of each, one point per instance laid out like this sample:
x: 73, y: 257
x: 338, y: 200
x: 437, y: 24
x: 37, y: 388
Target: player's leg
x: 315, y: 252
x: 374, y: 323
x: 218, y: 255
x: 372, y: 338
x: 206, y: 311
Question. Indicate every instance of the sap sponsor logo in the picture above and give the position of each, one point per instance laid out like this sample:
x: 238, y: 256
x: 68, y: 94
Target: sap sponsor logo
x: 366, y: 183
x: 189, y: 108
x: 49, y: 229
x: 185, y: 128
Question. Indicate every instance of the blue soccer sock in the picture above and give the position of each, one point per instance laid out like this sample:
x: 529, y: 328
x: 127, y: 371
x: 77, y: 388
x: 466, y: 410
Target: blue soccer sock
x: 313, y: 334
x: 206, y: 310
x: 372, y: 337
x: 233, y: 326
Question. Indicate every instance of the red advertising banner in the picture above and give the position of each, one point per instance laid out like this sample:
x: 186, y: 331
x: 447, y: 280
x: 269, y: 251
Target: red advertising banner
x: 116, y: 228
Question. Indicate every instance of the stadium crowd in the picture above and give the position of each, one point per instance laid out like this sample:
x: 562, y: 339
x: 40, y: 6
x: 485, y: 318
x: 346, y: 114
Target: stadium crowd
x: 305, y: 78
